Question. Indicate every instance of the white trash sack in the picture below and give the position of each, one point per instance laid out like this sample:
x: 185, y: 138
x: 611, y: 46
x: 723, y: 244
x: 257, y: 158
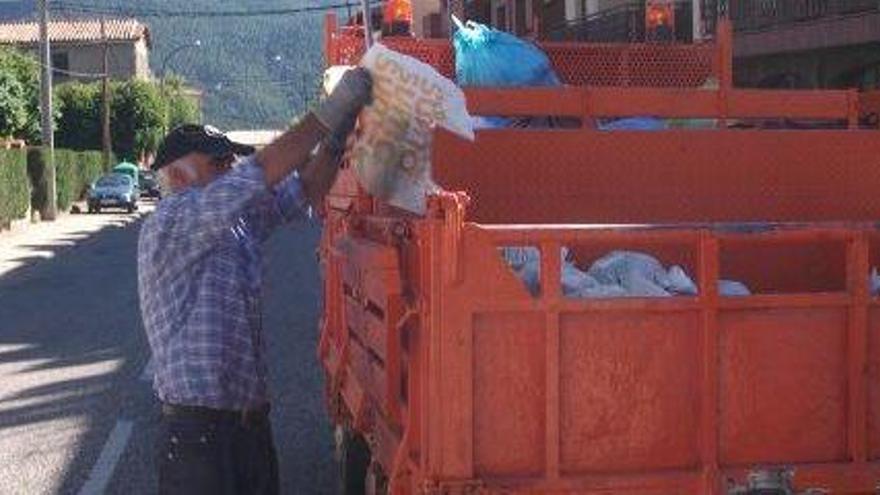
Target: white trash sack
x: 641, y: 275
x: 732, y: 288
x: 874, y: 282
x: 617, y: 274
x: 526, y: 264
x: 392, y: 154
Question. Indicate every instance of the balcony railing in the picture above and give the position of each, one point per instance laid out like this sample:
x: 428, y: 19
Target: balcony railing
x: 621, y: 24
x: 755, y: 15
x: 627, y: 23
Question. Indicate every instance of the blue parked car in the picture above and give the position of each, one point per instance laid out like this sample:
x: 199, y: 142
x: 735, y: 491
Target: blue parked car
x: 113, y: 191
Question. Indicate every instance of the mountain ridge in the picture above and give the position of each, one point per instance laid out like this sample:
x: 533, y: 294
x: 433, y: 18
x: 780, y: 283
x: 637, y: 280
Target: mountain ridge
x: 255, y: 71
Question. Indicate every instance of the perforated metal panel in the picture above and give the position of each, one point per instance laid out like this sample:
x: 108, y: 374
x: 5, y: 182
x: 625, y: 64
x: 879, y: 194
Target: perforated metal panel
x: 349, y: 47
x: 646, y: 65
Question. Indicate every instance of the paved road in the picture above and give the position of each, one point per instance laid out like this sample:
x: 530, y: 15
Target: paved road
x: 72, y: 359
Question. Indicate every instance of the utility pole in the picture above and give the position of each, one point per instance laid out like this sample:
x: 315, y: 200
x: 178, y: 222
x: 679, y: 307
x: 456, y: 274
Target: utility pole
x: 106, y: 140
x: 50, y: 211
x: 368, y: 23
x: 698, y: 20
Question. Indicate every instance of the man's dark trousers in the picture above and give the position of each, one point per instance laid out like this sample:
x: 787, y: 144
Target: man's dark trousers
x: 229, y: 454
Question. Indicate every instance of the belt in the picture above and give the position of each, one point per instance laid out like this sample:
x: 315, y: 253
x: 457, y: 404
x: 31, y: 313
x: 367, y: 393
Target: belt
x: 247, y: 417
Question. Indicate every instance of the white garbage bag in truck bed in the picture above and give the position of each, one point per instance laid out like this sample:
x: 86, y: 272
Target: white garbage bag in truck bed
x: 617, y: 274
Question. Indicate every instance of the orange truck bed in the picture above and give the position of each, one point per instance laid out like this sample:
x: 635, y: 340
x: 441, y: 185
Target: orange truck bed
x: 458, y: 380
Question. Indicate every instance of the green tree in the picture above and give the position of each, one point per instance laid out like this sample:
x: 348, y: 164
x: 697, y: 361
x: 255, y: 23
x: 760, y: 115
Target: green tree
x: 19, y: 95
x: 138, y: 118
x: 182, y: 108
x: 141, y: 113
x: 13, y: 114
x: 79, y: 123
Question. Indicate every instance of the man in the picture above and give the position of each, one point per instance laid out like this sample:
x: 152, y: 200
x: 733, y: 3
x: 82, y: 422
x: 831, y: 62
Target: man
x: 199, y: 274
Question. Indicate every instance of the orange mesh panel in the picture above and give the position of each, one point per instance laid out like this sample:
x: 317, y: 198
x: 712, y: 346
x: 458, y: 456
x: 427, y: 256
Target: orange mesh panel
x: 632, y: 64
x: 349, y: 49
x: 582, y: 64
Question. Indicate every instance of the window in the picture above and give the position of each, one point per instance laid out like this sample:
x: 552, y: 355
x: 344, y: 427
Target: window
x: 521, y: 18
x: 501, y: 17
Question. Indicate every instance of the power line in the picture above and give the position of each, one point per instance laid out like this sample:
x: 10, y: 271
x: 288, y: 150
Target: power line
x: 64, y: 6
x: 234, y: 82
x: 72, y: 73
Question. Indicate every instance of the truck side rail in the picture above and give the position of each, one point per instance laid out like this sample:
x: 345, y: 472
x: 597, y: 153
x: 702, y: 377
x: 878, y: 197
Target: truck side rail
x: 701, y: 387
x: 590, y: 102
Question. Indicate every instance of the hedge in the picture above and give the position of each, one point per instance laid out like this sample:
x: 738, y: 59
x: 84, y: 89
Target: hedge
x: 14, y: 186
x: 74, y: 172
x: 36, y: 170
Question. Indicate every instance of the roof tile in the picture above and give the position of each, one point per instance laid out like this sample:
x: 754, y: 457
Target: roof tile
x: 83, y: 30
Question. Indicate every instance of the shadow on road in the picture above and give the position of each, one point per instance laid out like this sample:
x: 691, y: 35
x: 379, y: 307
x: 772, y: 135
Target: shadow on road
x: 70, y: 336
x: 47, y: 245
x: 292, y: 309
x: 72, y: 348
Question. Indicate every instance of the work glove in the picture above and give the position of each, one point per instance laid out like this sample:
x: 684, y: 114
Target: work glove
x: 353, y: 91
x: 337, y: 141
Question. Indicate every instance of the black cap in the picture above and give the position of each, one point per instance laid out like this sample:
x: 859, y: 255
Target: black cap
x: 191, y: 138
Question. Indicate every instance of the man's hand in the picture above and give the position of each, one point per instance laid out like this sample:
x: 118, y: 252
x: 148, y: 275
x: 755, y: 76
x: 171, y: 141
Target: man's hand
x: 354, y: 90
x: 337, y: 141
x: 333, y: 118
x: 319, y: 175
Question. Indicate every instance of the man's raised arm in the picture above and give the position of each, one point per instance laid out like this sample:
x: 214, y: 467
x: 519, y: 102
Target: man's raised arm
x: 293, y: 149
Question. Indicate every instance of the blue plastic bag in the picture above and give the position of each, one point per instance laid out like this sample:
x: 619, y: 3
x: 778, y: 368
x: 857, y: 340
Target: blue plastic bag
x: 488, y: 57
x: 633, y: 124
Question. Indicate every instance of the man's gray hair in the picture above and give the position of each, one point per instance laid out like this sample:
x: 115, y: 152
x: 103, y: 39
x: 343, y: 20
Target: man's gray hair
x: 164, y: 182
x: 164, y: 178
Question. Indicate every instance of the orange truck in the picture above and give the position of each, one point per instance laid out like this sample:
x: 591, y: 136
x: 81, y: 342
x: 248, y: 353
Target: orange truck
x: 445, y: 375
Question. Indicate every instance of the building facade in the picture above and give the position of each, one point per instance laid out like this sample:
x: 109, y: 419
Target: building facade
x: 78, y: 46
x: 778, y: 43
x: 807, y: 43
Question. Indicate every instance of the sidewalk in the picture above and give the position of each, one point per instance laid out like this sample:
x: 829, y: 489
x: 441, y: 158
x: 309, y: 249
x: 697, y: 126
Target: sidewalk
x: 45, y: 240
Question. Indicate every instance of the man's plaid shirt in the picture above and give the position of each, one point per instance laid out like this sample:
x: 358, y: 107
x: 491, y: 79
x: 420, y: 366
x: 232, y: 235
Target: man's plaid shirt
x: 200, y: 276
